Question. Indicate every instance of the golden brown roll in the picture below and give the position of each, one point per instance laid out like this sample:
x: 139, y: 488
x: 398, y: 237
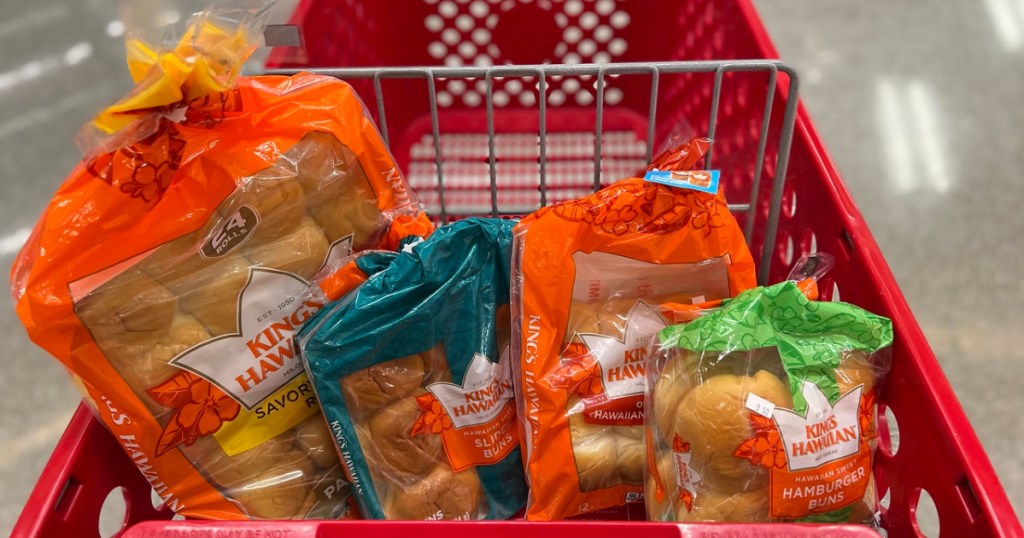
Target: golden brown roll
x: 301, y: 252
x: 405, y: 457
x: 312, y: 436
x: 582, y: 320
x: 177, y: 259
x: 348, y: 206
x: 673, y: 383
x: 630, y: 454
x: 712, y: 505
x: 211, y: 295
x: 307, y: 504
x: 372, y: 388
x: 855, y: 370
x: 713, y: 418
x: 141, y: 358
x: 320, y: 160
x: 578, y: 426
x: 596, y: 461
x: 131, y: 302
x: 278, y: 493
x: 443, y: 494
x: 279, y: 202
x: 238, y: 470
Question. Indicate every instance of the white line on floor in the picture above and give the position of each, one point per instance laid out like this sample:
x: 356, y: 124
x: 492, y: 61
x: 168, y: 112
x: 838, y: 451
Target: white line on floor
x: 1006, y: 23
x: 32, y: 19
x: 74, y: 55
x: 13, y: 242
x: 895, y: 135
x: 928, y: 136
x: 50, y: 112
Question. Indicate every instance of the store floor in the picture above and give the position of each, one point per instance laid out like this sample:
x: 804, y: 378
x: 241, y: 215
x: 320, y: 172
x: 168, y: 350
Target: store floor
x: 919, y: 104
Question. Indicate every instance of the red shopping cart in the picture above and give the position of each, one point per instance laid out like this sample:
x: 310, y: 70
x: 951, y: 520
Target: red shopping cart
x: 588, y: 103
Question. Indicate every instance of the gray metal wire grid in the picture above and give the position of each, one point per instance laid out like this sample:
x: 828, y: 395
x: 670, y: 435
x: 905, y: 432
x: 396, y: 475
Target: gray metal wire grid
x: 601, y: 73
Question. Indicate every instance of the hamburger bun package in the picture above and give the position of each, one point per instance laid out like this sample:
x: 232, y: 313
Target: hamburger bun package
x: 168, y: 273
x: 764, y: 410
x: 594, y: 280
x: 412, y: 370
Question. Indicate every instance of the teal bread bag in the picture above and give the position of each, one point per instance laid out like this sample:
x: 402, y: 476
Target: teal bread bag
x: 413, y: 375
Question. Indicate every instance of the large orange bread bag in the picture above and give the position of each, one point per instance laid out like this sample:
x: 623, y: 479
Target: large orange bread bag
x: 168, y: 272
x: 594, y: 280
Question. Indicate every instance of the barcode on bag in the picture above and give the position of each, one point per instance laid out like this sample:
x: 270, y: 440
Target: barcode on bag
x: 759, y: 405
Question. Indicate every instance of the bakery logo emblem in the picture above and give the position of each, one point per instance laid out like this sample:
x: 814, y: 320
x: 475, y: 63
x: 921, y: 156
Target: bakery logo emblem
x: 686, y: 477
x: 607, y: 372
x: 484, y: 393
x: 826, y: 433
x: 232, y: 232
x: 253, y: 363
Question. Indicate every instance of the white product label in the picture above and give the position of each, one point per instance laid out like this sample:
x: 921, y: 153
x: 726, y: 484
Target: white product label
x: 485, y: 390
x: 759, y: 405
x: 623, y: 361
x: 826, y: 433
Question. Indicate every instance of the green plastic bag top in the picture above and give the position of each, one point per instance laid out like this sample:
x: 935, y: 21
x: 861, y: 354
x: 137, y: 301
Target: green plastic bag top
x: 816, y: 442
x: 436, y: 444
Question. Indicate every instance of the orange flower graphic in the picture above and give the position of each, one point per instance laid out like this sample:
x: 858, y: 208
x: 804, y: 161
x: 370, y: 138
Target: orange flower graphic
x: 200, y: 409
x: 765, y: 447
x: 579, y: 372
x: 433, y: 418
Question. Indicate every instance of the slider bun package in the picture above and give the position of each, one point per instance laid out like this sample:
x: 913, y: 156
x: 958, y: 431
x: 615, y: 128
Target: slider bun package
x: 594, y: 280
x: 168, y: 273
x: 764, y: 410
x: 412, y: 371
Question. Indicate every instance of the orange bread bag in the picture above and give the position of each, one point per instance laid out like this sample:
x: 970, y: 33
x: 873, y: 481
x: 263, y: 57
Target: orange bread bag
x: 168, y: 272
x: 590, y: 278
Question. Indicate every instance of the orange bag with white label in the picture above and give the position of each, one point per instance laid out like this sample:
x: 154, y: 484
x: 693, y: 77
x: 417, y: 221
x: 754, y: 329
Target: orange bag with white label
x: 590, y: 280
x: 168, y: 273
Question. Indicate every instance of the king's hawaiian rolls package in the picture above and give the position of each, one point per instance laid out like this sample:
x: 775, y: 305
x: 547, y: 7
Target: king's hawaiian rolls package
x: 594, y: 280
x: 764, y: 410
x: 168, y: 273
x: 412, y: 370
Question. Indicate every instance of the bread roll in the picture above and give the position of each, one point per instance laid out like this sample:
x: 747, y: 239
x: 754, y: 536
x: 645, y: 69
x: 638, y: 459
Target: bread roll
x: 279, y: 202
x: 443, y: 494
x: 406, y: 457
x: 370, y: 389
x: 278, y: 493
x: 312, y: 436
x: 630, y: 454
x: 141, y: 358
x: 582, y: 320
x: 211, y: 295
x: 178, y: 259
x: 714, y: 420
x: 131, y: 302
x: 307, y: 505
x: 596, y: 461
x: 713, y: 505
x: 854, y: 370
x: 346, y: 205
x: 238, y: 470
x: 673, y: 382
x: 301, y: 252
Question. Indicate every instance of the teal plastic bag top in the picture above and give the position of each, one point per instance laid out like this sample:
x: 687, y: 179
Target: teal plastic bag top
x: 765, y: 410
x: 413, y: 375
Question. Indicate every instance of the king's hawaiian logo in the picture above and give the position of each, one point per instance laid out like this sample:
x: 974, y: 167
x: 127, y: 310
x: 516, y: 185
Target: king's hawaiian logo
x: 825, y: 433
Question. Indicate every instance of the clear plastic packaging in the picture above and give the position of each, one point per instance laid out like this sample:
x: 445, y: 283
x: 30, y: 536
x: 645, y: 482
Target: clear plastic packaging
x: 169, y: 271
x: 594, y: 279
x: 412, y: 369
x: 764, y: 410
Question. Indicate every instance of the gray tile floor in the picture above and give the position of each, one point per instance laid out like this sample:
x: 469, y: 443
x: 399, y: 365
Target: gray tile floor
x: 918, y: 102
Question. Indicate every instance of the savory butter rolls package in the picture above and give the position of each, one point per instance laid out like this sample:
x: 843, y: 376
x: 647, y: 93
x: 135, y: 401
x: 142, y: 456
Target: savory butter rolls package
x: 764, y: 410
x: 412, y: 371
x: 168, y: 272
x: 591, y: 277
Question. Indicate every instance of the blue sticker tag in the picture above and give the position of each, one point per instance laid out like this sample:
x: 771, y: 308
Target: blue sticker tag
x: 698, y: 180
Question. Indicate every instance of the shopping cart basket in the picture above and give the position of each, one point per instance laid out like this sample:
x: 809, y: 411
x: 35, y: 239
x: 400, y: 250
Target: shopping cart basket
x: 476, y: 139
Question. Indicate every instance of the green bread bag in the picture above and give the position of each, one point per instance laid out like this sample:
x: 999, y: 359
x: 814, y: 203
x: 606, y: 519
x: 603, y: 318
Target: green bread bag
x: 764, y: 410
